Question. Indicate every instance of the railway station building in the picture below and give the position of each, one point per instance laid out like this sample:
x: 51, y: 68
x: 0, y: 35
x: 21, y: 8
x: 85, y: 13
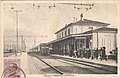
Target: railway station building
x: 84, y: 34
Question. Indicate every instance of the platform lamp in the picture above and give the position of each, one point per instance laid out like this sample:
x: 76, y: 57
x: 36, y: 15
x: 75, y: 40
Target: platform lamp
x: 91, y: 42
x: 17, y: 32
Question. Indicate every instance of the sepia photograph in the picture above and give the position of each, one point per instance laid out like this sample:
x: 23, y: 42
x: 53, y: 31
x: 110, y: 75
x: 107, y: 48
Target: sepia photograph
x: 59, y: 38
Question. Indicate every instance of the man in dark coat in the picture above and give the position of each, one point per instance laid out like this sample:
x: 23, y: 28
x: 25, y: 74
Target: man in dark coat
x: 104, y: 54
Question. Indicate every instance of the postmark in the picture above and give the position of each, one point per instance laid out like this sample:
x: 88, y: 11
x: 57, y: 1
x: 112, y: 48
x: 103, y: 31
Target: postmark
x: 12, y: 69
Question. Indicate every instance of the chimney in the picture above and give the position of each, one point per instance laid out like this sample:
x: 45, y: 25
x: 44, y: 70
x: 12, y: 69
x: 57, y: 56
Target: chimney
x: 73, y: 19
x: 65, y: 25
x: 81, y: 16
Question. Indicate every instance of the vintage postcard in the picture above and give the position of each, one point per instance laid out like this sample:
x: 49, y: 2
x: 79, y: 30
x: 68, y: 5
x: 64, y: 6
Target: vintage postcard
x: 43, y: 39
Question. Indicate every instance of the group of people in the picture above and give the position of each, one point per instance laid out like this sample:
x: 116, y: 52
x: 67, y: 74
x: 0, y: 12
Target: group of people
x: 98, y: 53
x: 88, y: 53
x: 80, y: 53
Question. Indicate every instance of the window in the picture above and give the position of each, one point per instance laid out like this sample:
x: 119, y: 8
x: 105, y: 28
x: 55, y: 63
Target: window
x: 62, y: 34
x: 57, y: 35
x: 76, y: 30
x: 110, y: 43
x: 68, y: 31
x: 65, y: 33
x: 102, y: 41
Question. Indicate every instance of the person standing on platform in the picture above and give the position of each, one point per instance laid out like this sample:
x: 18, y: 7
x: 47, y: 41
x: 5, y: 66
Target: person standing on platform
x: 116, y: 55
x: 89, y: 53
x: 64, y: 52
x: 80, y: 53
x: 104, y: 54
x: 75, y: 53
x: 101, y: 53
x: 96, y: 53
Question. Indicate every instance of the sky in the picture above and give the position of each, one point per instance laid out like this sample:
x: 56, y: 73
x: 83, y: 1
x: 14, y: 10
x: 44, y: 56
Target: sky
x: 38, y: 25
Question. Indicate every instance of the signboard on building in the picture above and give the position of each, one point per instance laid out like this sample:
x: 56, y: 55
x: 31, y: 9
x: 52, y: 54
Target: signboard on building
x: 80, y: 37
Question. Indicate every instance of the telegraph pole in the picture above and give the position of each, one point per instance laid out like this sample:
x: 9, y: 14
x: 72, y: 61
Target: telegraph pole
x: 17, y: 11
x: 34, y: 42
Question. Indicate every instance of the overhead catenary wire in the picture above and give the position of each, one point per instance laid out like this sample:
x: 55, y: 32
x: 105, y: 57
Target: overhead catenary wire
x: 36, y: 12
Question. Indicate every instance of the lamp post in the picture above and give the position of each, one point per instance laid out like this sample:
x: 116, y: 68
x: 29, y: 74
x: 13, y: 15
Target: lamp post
x: 91, y: 43
x: 91, y: 48
x: 17, y: 32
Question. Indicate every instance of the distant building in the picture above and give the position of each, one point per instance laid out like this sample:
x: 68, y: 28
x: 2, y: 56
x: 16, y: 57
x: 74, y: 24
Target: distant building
x: 85, y: 34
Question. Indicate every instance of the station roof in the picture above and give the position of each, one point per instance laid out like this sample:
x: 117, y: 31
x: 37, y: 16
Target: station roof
x: 85, y: 22
x: 105, y: 29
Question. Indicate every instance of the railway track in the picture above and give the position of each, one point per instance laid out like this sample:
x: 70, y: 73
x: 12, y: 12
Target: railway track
x: 53, y: 67
x: 35, y: 66
x: 59, y: 71
x: 97, y: 66
x: 74, y: 63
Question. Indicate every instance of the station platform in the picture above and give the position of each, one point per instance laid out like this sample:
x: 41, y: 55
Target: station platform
x: 93, y: 61
x: 23, y: 56
x: 25, y: 64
